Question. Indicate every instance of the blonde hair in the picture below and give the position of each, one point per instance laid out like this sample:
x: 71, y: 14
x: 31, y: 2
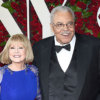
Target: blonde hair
x: 4, y: 55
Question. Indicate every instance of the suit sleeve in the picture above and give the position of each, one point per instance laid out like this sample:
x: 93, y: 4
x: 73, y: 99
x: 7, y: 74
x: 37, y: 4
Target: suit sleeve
x: 34, y: 52
x: 98, y: 97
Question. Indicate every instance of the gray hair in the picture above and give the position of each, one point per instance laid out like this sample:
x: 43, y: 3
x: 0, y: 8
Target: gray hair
x: 61, y: 8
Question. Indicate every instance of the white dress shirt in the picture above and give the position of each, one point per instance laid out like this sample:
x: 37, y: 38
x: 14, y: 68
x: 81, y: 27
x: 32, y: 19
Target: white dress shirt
x: 64, y: 56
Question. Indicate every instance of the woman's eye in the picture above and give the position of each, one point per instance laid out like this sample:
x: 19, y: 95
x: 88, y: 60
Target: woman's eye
x: 20, y: 47
x: 12, y: 48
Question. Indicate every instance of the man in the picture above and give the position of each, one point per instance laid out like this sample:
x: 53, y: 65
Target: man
x: 71, y: 74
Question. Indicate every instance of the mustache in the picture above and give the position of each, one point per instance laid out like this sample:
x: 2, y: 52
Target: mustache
x: 65, y: 33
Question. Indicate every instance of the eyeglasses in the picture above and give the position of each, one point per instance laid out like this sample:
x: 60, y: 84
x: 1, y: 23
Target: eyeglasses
x: 61, y: 25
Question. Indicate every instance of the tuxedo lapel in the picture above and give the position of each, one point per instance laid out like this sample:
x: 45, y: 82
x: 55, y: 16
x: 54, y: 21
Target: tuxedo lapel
x: 45, y: 61
x: 83, y: 54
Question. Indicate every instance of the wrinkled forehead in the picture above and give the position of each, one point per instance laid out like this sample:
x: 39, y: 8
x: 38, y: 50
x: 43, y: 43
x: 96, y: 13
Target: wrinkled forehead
x: 60, y: 13
x: 63, y: 17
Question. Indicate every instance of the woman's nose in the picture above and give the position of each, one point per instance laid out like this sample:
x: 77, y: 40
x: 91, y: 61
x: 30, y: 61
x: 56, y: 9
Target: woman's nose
x: 16, y: 50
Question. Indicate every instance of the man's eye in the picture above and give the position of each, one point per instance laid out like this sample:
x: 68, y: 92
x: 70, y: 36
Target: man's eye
x: 71, y: 23
x: 59, y: 25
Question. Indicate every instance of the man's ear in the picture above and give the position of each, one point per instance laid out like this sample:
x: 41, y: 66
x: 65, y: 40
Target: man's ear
x: 51, y: 26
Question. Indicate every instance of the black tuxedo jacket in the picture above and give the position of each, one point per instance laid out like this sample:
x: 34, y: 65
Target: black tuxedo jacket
x: 88, y: 66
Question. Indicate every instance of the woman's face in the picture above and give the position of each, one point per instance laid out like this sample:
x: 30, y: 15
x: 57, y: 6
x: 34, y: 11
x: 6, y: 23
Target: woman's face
x: 17, y: 52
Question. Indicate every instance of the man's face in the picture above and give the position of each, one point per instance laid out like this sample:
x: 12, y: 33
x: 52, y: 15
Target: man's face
x: 63, y: 27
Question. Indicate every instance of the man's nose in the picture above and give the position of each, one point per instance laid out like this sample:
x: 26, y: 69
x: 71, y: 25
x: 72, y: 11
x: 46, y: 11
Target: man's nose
x: 65, y: 27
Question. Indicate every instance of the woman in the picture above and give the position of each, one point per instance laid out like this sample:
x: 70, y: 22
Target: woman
x: 18, y: 79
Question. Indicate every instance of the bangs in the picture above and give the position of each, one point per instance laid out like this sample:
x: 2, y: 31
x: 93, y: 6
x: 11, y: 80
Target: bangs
x: 20, y: 39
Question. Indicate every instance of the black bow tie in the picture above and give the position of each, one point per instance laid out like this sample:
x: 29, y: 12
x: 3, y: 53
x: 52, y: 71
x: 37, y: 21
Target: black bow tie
x: 58, y: 48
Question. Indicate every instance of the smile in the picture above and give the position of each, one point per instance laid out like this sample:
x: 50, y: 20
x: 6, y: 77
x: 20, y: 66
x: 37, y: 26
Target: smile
x: 16, y: 56
x: 65, y: 33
